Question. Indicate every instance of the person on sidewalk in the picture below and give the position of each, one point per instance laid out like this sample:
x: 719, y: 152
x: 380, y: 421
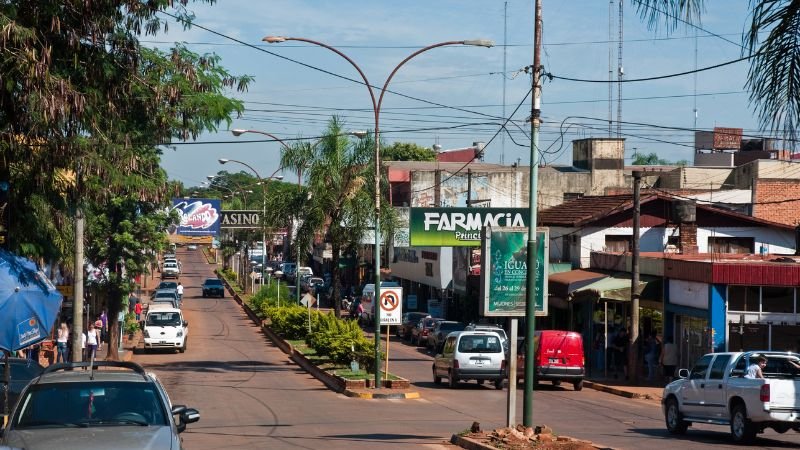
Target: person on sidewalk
x: 138, y: 311
x: 621, y: 352
x: 92, y: 342
x: 61, y: 343
x: 180, y: 292
x: 669, y: 359
x: 652, y: 353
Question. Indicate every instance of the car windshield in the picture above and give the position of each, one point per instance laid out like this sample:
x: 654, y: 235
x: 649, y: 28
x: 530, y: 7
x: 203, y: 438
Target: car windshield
x: 86, y: 404
x: 170, y: 295
x: 451, y: 326
x: 479, y: 344
x: 213, y: 282
x: 164, y: 319
x: 167, y: 285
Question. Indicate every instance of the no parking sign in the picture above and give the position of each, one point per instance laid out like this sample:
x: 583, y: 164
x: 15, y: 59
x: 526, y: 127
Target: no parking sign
x: 391, y: 302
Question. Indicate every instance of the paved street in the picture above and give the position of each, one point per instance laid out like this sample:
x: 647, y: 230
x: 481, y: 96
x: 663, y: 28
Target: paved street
x: 251, y: 395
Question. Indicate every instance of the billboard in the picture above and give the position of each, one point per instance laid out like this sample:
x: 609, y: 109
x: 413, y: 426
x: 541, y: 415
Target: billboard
x: 198, y: 217
x: 504, y: 272
x: 238, y: 219
x: 459, y: 227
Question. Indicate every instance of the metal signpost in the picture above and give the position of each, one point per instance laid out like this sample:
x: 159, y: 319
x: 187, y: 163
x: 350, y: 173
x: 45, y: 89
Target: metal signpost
x: 391, y: 313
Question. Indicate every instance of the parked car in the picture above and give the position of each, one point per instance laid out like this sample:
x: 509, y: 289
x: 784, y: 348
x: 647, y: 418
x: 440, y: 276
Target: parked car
x: 407, y: 323
x: 558, y: 357
x: 166, y: 295
x: 191, y: 247
x: 167, y: 285
x: 123, y: 408
x: 440, y: 331
x: 213, y: 287
x: 164, y: 327
x: 170, y: 270
x: 715, y: 391
x: 471, y: 355
x: 23, y: 370
x: 423, y: 329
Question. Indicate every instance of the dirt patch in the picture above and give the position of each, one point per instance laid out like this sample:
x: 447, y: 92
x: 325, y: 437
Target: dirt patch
x: 521, y: 437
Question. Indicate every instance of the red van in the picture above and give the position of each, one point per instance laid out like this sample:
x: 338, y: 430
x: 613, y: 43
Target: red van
x: 559, y: 357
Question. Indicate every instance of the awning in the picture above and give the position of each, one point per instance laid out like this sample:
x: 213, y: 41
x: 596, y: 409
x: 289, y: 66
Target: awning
x: 577, y: 285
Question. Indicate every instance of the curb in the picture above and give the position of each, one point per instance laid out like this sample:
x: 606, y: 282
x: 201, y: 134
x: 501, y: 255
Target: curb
x: 370, y: 395
x: 616, y: 391
x: 471, y: 444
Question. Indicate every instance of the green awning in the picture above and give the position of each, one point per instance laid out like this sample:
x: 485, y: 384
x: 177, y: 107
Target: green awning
x: 618, y: 288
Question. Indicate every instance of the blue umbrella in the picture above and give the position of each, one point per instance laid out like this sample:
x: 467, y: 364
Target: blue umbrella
x: 29, y: 303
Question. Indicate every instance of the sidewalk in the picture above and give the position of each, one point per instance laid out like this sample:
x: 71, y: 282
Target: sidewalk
x: 625, y: 389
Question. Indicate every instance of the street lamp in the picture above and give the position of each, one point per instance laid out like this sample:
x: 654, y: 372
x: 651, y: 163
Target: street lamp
x: 263, y: 208
x: 376, y: 108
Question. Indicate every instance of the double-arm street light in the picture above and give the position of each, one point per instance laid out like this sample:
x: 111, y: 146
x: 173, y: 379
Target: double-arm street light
x: 262, y: 181
x: 376, y: 108
x: 231, y: 192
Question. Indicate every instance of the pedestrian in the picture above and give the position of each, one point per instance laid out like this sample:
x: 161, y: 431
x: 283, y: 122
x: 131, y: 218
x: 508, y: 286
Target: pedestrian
x: 669, y: 359
x: 138, y: 311
x: 756, y: 369
x: 621, y: 352
x: 83, y: 346
x: 180, y: 291
x: 92, y: 342
x: 132, y: 301
x: 104, y: 325
x: 599, y: 347
x: 652, y: 354
x: 61, y: 343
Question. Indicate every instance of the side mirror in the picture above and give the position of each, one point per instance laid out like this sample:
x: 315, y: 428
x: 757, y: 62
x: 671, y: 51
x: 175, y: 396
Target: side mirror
x: 683, y: 373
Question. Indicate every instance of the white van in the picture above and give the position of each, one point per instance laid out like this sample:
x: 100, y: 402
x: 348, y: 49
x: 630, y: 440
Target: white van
x: 164, y: 327
x: 367, y: 297
x: 471, y: 355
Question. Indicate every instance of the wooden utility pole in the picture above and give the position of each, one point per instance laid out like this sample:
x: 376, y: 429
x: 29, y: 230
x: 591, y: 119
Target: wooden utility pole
x: 633, y: 351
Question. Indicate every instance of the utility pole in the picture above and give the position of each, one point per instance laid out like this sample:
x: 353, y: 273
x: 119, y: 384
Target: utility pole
x: 530, y: 306
x: 633, y: 357
x: 77, y: 303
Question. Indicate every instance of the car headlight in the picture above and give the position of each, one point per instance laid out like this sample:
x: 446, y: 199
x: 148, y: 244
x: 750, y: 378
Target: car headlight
x: 146, y: 333
x: 180, y: 333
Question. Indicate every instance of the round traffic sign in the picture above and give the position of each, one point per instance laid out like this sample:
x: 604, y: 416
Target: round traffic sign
x: 389, y: 300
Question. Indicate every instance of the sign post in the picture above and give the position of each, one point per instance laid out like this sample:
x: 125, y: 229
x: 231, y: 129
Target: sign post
x: 391, y: 313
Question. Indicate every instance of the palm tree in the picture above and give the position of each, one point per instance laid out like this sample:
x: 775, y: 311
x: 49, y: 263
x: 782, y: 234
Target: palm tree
x: 774, y: 60
x: 338, y: 174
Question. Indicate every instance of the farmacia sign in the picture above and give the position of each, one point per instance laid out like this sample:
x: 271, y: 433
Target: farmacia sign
x: 459, y: 227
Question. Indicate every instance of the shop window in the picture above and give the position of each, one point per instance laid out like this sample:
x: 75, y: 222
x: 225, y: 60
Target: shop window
x: 726, y: 244
x: 618, y: 244
x: 778, y: 299
x: 743, y: 298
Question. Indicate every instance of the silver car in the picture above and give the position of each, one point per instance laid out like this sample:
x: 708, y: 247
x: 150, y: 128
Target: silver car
x: 92, y: 409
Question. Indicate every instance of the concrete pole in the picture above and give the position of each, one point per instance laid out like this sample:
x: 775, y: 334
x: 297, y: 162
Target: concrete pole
x: 77, y: 303
x: 633, y: 354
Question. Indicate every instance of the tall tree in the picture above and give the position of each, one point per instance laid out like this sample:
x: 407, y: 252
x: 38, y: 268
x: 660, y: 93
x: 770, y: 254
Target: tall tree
x: 407, y: 151
x: 337, y: 201
x: 772, y: 41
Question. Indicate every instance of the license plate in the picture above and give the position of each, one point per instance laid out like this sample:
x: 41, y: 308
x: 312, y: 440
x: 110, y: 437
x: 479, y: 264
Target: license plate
x: 163, y: 342
x: 553, y: 360
x: 477, y: 362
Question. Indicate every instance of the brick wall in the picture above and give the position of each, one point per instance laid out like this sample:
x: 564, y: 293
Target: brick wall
x: 777, y: 200
x: 688, y: 238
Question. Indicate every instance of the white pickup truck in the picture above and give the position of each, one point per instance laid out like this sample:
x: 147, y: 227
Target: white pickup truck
x: 715, y: 391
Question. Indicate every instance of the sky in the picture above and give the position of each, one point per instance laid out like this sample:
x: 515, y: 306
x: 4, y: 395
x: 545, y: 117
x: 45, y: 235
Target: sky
x: 457, y: 95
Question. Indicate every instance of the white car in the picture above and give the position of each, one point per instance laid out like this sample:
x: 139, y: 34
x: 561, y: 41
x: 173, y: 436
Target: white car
x: 170, y: 270
x: 471, y: 355
x: 164, y: 327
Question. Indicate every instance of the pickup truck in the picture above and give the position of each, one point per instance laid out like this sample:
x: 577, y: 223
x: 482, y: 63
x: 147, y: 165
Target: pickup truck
x: 715, y: 391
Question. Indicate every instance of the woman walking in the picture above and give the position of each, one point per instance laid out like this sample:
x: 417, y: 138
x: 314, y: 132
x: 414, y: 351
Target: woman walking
x: 61, y: 343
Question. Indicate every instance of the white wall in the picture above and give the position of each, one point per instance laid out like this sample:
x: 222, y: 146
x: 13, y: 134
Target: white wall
x: 411, y: 265
x: 777, y: 241
x: 594, y: 239
x: 688, y: 293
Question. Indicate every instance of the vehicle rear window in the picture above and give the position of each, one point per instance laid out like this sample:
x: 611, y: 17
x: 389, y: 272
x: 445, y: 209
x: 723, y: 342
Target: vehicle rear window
x: 60, y: 405
x: 479, y: 344
x: 213, y: 282
x: 455, y: 326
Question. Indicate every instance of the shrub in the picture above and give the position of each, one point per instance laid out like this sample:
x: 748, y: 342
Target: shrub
x: 342, y: 341
x: 131, y: 325
x: 289, y: 321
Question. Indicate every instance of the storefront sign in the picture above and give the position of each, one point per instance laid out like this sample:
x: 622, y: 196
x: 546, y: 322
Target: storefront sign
x: 240, y: 219
x: 459, y: 227
x: 504, y: 273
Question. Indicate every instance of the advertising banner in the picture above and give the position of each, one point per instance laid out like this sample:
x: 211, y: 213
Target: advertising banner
x: 459, y: 227
x: 249, y: 219
x: 504, y: 272
x: 199, y: 216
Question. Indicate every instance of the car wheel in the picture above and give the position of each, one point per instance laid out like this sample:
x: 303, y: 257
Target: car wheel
x: 436, y: 379
x: 578, y: 385
x: 452, y: 380
x: 498, y: 384
x: 674, y: 418
x: 742, y: 429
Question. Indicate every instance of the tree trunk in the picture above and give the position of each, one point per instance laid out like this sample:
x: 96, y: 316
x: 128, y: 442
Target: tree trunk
x: 337, y: 305
x: 113, y: 308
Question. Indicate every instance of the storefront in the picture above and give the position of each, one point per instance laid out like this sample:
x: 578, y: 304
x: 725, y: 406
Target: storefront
x: 426, y: 273
x: 762, y: 318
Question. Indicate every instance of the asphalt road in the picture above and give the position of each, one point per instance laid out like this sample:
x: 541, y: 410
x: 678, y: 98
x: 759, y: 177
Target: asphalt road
x: 251, y: 395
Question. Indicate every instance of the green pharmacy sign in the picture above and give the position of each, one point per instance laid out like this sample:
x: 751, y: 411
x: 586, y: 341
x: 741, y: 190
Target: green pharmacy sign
x: 459, y: 227
x: 504, y: 271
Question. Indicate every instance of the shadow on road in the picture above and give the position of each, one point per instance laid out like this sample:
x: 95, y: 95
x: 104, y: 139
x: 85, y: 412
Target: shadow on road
x: 721, y: 437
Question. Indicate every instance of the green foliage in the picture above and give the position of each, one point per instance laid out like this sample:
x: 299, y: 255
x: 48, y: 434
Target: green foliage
x: 342, y: 341
x: 407, y: 151
x: 650, y: 159
x: 131, y: 325
x: 291, y: 322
